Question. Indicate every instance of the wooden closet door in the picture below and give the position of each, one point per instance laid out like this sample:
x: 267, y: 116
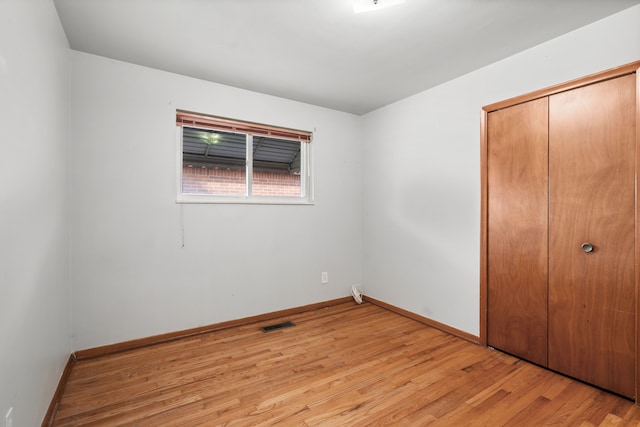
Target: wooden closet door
x: 591, y: 188
x: 517, y: 230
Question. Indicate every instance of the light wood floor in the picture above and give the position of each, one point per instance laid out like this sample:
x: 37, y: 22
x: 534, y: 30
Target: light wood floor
x: 346, y: 365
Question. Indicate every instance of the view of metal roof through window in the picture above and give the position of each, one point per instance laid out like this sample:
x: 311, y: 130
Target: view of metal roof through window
x: 226, y: 150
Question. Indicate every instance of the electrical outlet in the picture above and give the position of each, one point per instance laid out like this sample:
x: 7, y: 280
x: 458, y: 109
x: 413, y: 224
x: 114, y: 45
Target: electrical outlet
x: 324, y: 278
x: 8, y: 419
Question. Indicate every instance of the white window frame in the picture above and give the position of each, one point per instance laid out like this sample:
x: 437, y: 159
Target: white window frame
x: 306, y: 181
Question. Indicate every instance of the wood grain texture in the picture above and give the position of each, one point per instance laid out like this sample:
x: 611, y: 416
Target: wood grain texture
x: 631, y: 331
x: 592, y: 199
x: 637, y: 247
x: 517, y: 167
x: 91, y: 353
x: 484, y: 220
x: 425, y: 320
x: 629, y: 68
x: 345, y: 365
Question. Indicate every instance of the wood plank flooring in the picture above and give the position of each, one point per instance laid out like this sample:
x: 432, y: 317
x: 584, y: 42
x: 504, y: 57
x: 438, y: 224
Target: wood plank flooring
x: 345, y: 365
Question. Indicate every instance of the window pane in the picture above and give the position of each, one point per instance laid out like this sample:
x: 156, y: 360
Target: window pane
x: 213, y: 162
x: 276, y: 167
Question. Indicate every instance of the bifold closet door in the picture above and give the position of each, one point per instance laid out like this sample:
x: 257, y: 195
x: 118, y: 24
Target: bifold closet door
x: 517, y: 176
x: 591, y: 233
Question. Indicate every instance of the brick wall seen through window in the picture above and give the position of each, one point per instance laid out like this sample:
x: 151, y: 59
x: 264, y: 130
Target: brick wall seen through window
x: 199, y: 180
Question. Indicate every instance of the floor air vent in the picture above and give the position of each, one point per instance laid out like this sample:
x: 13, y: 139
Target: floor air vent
x: 277, y: 326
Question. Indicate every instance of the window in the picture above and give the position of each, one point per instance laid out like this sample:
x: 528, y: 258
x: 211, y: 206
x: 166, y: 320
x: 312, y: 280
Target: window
x: 229, y: 161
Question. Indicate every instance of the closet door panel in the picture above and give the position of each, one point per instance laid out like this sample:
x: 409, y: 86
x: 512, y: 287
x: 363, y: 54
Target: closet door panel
x: 517, y: 230
x: 592, y: 200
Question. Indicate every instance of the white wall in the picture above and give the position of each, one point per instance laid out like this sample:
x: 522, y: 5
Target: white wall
x: 421, y: 229
x: 35, y: 324
x: 130, y: 275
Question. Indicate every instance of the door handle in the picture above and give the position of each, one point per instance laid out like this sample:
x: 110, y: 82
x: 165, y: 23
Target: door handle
x: 587, y: 247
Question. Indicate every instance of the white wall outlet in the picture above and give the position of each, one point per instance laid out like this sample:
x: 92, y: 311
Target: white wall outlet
x: 324, y: 277
x: 8, y: 418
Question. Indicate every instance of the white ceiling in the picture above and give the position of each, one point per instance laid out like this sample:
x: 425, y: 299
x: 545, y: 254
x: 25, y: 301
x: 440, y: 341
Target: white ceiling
x: 319, y: 51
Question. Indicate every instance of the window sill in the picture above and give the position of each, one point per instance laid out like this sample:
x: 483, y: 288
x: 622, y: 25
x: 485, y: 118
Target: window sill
x: 207, y: 199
